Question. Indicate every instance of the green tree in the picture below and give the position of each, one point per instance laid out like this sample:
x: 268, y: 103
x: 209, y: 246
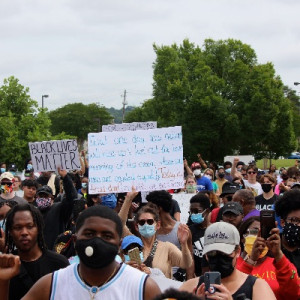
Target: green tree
x: 78, y: 119
x: 225, y: 101
x: 21, y: 122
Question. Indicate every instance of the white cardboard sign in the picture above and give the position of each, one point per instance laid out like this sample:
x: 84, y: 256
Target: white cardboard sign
x: 47, y: 156
x: 147, y: 159
x: 129, y: 126
x: 184, y: 204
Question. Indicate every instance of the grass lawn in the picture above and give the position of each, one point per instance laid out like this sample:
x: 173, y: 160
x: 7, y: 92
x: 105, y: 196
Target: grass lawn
x: 278, y: 163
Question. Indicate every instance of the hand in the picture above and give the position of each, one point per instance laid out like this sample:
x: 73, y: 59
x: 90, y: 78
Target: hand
x: 185, y: 163
x: 236, y: 160
x: 61, y: 172
x: 9, y: 266
x: 223, y: 293
x: 274, y: 244
x: 183, y: 233
x: 258, y: 247
x: 134, y: 206
x: 83, y: 152
x: 131, y: 195
x: 199, y: 155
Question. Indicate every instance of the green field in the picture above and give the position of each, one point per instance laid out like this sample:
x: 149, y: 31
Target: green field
x: 278, y: 163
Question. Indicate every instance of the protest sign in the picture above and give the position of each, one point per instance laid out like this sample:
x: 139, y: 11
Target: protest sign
x: 184, y: 205
x: 47, y: 156
x: 129, y: 126
x: 147, y: 159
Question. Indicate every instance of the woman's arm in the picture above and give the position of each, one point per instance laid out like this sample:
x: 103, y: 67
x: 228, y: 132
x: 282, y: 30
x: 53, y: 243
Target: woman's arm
x: 261, y: 290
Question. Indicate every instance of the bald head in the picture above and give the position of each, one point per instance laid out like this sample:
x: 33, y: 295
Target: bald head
x: 244, y: 197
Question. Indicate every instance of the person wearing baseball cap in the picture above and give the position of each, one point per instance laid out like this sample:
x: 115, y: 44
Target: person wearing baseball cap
x: 233, y: 213
x: 6, y: 189
x: 222, y: 249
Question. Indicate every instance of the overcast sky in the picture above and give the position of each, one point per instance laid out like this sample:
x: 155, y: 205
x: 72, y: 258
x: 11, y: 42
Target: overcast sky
x: 90, y: 51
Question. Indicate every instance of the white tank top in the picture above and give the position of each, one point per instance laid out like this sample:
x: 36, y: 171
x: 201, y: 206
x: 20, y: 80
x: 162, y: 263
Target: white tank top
x: 128, y: 283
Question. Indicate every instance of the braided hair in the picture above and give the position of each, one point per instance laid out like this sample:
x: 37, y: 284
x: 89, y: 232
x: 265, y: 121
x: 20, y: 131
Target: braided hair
x: 37, y: 220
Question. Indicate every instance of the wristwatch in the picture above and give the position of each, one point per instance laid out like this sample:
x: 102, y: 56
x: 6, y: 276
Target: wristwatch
x: 250, y: 261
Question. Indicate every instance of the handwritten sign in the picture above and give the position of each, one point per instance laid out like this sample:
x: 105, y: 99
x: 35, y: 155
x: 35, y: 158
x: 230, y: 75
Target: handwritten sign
x: 129, y: 126
x: 147, y: 159
x: 47, y: 156
x: 184, y: 204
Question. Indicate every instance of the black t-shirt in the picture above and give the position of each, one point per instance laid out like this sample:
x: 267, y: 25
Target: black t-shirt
x: 262, y: 203
x: 198, y: 244
x: 175, y: 208
x: 32, y: 271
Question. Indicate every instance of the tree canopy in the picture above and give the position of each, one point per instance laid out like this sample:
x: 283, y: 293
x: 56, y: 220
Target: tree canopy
x: 21, y: 122
x: 224, y: 100
x: 78, y: 119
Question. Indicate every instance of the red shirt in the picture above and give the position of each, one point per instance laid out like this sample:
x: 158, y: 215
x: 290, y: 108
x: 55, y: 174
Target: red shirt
x: 281, y: 276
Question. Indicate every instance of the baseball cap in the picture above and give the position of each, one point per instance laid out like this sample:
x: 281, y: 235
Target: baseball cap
x: 131, y: 239
x: 296, y: 185
x: 7, y: 175
x: 45, y: 189
x: 234, y: 207
x: 12, y: 168
x: 221, y: 236
x: 229, y: 188
x: 195, y: 165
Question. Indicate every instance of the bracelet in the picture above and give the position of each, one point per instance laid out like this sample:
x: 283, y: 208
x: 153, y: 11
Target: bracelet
x: 250, y: 261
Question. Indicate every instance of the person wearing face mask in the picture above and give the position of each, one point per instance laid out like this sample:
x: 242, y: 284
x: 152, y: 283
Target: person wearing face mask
x: 2, y: 167
x: 288, y: 208
x: 220, y: 178
x: 199, y: 220
x: 56, y: 215
x: 84, y: 187
x: 203, y: 183
x: 98, y: 275
x: 209, y: 173
x: 28, y: 171
x: 190, y: 185
x: 6, y: 189
x: 267, y: 199
x: 157, y: 254
x: 222, y: 250
x: 265, y: 259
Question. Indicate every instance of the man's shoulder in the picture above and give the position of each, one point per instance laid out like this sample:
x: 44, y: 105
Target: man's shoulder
x: 19, y: 200
x: 53, y: 257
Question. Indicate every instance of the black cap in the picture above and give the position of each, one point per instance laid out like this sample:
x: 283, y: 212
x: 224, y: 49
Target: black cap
x: 12, y: 168
x: 229, y: 188
x: 234, y: 207
x: 45, y: 189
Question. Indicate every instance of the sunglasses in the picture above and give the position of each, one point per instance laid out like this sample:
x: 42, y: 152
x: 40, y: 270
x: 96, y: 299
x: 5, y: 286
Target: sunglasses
x: 148, y: 221
x: 251, y: 172
x: 6, y: 183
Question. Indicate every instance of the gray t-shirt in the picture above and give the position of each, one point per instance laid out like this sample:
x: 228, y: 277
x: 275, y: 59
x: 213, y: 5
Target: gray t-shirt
x: 16, y: 198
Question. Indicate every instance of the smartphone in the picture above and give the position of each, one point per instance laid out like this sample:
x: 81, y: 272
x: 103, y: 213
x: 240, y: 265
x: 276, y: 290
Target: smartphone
x: 134, y: 255
x: 211, y: 278
x: 267, y: 222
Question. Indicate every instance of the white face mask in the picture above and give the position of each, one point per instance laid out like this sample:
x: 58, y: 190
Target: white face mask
x: 197, y: 172
x: 208, y: 176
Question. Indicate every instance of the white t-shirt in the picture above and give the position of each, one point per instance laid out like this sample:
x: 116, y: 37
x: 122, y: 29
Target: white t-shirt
x: 255, y: 188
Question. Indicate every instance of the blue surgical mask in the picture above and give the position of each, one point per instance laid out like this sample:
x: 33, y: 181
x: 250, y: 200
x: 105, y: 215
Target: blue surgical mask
x: 3, y: 170
x: 228, y: 171
x: 127, y: 258
x: 29, y: 167
x: 147, y: 230
x: 197, y: 218
x: 14, y: 173
x: 84, y: 185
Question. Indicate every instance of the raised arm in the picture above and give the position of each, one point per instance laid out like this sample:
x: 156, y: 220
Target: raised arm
x: 201, y: 161
x: 187, y: 168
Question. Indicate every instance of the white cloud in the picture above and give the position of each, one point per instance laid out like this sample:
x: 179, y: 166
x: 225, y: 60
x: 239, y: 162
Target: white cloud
x: 91, y: 51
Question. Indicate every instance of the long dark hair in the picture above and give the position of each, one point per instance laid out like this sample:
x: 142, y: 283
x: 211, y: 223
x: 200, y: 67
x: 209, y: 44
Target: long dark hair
x: 37, y: 220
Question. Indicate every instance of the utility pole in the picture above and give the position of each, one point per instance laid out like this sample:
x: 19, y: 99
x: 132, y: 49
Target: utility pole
x: 124, y: 103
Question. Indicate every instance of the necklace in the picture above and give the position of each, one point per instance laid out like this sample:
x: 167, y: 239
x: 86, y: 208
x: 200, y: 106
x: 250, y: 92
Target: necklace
x: 93, y: 290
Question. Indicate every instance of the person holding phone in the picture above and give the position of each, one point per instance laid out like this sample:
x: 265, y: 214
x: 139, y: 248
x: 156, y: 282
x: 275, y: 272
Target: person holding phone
x: 264, y: 258
x: 222, y: 250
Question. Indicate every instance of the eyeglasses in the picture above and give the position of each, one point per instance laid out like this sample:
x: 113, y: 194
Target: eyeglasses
x: 244, y: 174
x: 251, y: 231
x: 143, y: 221
x: 251, y: 172
x: 294, y: 220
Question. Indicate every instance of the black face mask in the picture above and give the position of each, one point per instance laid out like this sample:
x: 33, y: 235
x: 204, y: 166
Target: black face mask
x: 221, y: 263
x: 221, y: 175
x: 291, y: 232
x: 96, y: 253
x: 284, y: 177
x: 266, y: 187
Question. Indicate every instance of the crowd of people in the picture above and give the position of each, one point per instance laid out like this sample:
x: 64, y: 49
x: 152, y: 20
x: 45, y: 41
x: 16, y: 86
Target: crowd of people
x: 60, y: 242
